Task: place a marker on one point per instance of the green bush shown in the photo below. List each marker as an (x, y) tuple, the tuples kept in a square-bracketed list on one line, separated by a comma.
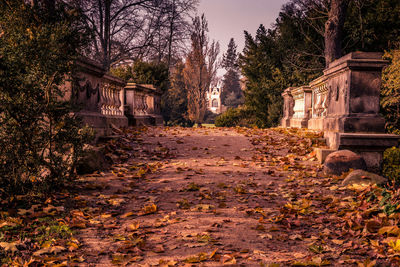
[(235, 117), (40, 138), (391, 164), (390, 93)]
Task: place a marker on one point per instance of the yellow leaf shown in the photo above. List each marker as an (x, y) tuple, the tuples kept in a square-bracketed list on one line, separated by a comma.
[(374, 243), (72, 246), (128, 214), (105, 216), (213, 253), (149, 209), (134, 226), (395, 245)]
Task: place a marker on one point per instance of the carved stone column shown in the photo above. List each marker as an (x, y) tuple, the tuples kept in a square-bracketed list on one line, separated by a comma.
[(288, 104), (302, 97)]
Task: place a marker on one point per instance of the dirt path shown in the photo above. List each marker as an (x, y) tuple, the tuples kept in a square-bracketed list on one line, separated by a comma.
[(210, 197), (205, 197)]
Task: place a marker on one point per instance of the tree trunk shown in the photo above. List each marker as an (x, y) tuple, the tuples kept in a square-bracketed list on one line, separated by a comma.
[(171, 34), (107, 39), (334, 30)]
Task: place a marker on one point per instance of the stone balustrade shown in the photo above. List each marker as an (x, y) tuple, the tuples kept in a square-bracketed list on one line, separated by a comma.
[(99, 96), (344, 104), (143, 104), (319, 101), (107, 101), (111, 96)]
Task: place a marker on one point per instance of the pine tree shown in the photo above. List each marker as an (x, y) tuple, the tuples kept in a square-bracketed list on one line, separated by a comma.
[(231, 79)]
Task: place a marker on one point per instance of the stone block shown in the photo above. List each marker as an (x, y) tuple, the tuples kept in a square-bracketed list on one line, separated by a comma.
[(363, 178), (342, 161), (323, 153)]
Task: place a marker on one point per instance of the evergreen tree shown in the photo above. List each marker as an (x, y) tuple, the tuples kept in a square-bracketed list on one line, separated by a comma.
[(40, 138), (231, 79)]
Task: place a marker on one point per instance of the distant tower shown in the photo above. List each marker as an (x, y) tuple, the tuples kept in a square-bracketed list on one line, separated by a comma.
[(214, 99)]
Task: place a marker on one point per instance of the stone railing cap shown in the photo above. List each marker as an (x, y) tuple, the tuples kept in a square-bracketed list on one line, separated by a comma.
[(287, 91), (114, 79), (359, 59), (142, 87), (88, 65), (301, 89)]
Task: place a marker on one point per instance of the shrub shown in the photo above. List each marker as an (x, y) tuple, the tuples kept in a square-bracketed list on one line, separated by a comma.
[(228, 119), (235, 117), (390, 93), (391, 164), (40, 138)]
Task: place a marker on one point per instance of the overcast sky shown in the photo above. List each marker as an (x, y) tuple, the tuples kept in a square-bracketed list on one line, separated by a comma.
[(229, 18)]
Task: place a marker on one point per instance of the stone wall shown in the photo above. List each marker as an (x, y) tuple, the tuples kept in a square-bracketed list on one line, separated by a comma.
[(344, 104)]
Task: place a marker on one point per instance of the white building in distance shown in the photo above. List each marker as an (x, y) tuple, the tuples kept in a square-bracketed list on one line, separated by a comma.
[(214, 99)]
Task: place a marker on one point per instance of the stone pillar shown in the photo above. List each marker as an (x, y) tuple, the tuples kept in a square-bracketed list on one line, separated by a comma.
[(352, 119), (318, 103), (302, 97), (288, 104)]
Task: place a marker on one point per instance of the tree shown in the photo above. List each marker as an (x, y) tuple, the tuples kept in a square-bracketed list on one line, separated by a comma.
[(175, 100), (175, 30), (262, 66), (334, 30), (200, 69), (144, 72), (230, 58), (128, 30), (120, 28), (231, 82), (40, 138)]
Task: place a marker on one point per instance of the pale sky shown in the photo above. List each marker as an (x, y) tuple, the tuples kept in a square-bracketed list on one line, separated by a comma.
[(229, 18)]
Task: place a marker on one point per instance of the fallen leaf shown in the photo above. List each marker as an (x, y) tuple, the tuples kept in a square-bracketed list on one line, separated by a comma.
[(148, 209), (128, 214), (134, 226), (9, 246)]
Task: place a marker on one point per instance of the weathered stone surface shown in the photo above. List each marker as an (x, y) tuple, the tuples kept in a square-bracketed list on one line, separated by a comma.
[(345, 105), (363, 177), (143, 104), (302, 107), (322, 153), (342, 161), (100, 96), (288, 104), (93, 159)]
